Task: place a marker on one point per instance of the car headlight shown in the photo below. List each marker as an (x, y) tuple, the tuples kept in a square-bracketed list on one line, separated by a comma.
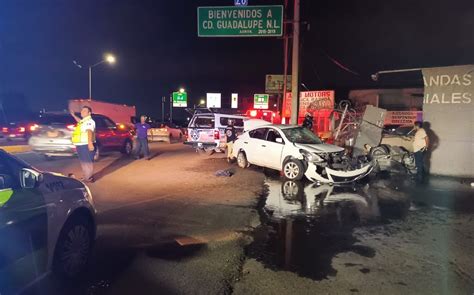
[(311, 157)]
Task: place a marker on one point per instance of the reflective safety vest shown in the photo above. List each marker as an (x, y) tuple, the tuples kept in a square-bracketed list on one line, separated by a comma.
[(79, 137)]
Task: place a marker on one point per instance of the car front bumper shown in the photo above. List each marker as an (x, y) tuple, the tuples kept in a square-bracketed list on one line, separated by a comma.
[(338, 176)]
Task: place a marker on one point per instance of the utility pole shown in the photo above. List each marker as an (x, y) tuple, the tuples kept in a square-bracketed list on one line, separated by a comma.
[(295, 64), (90, 82), (163, 99), (285, 62), (171, 109)]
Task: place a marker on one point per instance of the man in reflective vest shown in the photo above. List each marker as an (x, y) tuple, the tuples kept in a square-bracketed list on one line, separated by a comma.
[(83, 137)]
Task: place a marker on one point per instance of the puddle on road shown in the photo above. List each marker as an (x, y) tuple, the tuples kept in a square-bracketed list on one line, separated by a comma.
[(306, 225)]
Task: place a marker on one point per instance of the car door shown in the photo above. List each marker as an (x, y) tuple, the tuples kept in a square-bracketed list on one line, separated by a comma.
[(116, 137), (273, 149), (23, 230), (255, 147), (104, 135)]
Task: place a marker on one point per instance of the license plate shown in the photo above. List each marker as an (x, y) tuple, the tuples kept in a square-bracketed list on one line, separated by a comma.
[(52, 134)]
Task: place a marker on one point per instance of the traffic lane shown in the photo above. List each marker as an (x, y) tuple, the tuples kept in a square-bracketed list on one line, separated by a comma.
[(107, 164), (168, 223)]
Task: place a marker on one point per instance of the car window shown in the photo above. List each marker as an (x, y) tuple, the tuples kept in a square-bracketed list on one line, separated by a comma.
[(9, 173), (109, 123), (237, 122), (204, 122), (56, 119), (100, 122), (258, 133), (272, 135), (301, 135)]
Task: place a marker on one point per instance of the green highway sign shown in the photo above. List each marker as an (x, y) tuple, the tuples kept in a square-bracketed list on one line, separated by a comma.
[(260, 101), (240, 21), (180, 99)]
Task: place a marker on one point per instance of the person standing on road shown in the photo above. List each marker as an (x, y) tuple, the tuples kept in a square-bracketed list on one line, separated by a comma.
[(83, 137), (420, 146), (142, 138), (231, 136), (308, 121)]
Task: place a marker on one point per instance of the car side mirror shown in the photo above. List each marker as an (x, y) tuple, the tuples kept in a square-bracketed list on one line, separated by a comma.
[(279, 140), (30, 178)]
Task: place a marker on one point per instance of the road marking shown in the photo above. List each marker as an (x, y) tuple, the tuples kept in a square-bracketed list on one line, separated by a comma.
[(16, 149)]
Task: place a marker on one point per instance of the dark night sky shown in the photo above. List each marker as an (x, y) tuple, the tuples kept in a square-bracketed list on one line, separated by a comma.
[(158, 49)]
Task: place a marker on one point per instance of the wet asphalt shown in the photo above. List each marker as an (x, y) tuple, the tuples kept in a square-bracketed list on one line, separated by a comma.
[(303, 227)]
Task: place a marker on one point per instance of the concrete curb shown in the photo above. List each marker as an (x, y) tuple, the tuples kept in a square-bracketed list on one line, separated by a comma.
[(16, 149)]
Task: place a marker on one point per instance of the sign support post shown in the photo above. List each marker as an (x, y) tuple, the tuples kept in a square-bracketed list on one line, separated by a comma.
[(295, 64)]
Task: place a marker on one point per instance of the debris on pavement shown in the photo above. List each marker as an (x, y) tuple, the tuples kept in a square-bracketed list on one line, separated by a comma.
[(224, 173)]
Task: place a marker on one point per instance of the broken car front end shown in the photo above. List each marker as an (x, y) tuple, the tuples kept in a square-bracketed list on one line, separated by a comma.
[(335, 167)]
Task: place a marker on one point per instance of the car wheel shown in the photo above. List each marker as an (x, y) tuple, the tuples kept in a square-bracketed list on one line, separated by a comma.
[(97, 153), (379, 151), (408, 161), (48, 157), (206, 151), (242, 160), (73, 248), (293, 169), (127, 148)]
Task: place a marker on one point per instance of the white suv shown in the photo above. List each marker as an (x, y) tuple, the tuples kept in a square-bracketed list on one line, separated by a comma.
[(206, 130)]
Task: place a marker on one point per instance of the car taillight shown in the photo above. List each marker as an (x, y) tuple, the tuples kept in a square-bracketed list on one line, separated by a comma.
[(71, 127), (33, 127), (21, 129), (217, 134), (4, 129)]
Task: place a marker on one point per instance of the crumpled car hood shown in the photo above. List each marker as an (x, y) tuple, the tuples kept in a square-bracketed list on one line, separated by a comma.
[(320, 148)]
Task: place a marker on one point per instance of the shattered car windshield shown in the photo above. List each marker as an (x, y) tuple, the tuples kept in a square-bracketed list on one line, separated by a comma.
[(301, 135)]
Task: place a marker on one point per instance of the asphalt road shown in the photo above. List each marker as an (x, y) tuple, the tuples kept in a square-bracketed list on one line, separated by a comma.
[(170, 226), (167, 225)]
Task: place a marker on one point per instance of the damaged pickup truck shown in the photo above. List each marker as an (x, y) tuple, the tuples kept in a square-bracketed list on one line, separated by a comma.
[(297, 152)]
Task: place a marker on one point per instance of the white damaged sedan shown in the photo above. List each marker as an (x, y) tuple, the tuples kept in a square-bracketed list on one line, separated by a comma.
[(297, 152)]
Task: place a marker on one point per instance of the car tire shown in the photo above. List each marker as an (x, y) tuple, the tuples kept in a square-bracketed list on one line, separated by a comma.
[(98, 152), (242, 161), (379, 151), (206, 151), (48, 157), (127, 148), (293, 169), (73, 248)]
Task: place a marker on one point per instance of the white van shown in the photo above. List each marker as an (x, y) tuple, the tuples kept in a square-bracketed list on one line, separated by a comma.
[(206, 129)]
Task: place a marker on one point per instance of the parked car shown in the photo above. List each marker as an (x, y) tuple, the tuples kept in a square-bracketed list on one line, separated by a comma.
[(53, 136), (206, 130), (164, 132), (47, 222), (298, 152), (19, 130)]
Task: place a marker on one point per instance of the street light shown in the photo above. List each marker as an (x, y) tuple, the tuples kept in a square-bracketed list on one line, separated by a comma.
[(181, 90), (376, 75), (108, 58), (202, 102)]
